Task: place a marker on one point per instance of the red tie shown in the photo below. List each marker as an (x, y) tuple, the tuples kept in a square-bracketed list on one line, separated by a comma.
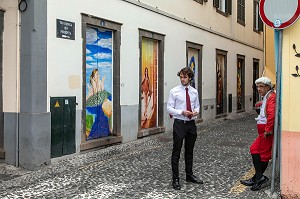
[(188, 101)]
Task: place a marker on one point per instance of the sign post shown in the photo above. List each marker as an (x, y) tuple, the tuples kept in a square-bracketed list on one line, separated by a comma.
[(278, 14)]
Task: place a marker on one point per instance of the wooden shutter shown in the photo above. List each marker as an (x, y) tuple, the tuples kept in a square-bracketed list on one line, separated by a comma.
[(228, 6), (199, 1), (239, 9), (216, 3), (254, 15), (244, 11), (260, 24), (241, 12)]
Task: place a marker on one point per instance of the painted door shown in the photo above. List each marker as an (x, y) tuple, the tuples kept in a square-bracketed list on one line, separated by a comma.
[(240, 85), (99, 89), (220, 83), (255, 77), (149, 83), (193, 64)]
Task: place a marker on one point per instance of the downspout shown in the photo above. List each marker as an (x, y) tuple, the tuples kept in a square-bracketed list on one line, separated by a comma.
[(18, 87), (264, 47)]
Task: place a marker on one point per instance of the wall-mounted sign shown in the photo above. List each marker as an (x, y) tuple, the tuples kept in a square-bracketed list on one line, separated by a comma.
[(279, 14), (65, 29)]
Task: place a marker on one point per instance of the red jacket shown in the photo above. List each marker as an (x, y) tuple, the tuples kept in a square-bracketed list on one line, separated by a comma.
[(270, 112)]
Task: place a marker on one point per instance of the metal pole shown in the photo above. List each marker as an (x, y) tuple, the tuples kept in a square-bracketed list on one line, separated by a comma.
[(278, 105)]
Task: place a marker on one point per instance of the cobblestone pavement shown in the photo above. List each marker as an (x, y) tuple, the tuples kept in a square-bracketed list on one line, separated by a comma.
[(141, 169)]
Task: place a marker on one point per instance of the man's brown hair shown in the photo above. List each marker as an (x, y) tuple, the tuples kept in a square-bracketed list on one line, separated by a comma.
[(186, 71)]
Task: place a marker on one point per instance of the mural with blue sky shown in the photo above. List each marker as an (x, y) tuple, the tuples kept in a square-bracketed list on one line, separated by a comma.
[(98, 83)]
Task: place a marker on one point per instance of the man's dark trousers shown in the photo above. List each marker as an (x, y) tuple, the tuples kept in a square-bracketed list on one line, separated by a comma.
[(186, 131)]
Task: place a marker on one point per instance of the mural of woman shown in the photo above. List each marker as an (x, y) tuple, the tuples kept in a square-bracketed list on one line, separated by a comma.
[(192, 65), (239, 92), (96, 85), (219, 90), (99, 106), (146, 90)]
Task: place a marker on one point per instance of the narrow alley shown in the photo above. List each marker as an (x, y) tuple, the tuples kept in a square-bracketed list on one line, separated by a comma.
[(141, 169)]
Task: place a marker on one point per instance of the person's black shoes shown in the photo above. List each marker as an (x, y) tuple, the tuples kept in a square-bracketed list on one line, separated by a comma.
[(256, 186), (176, 184), (194, 179), (248, 182)]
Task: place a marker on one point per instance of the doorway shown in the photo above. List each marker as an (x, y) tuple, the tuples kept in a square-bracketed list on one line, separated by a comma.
[(99, 79), (255, 77), (240, 96), (221, 82), (194, 61), (149, 83)]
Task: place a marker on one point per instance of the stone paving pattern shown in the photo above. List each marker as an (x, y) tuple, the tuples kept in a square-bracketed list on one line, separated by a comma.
[(141, 169)]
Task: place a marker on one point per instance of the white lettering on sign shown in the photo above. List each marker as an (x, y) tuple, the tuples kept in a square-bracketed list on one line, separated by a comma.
[(65, 23), (65, 32), (65, 29)]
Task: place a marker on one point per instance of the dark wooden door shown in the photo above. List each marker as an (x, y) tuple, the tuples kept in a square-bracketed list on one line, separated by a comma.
[(255, 77), (63, 110)]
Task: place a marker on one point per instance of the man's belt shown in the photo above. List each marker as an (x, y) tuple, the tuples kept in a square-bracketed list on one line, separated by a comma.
[(185, 121)]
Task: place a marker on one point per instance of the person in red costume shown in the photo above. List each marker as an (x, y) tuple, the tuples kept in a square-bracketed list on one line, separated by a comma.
[(261, 148)]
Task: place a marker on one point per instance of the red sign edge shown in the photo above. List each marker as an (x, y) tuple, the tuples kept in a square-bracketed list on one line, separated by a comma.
[(271, 24)]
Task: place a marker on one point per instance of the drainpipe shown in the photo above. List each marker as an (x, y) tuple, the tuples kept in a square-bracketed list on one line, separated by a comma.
[(17, 88), (264, 47)]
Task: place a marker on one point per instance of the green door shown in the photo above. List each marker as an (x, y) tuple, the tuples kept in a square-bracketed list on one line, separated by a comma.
[(69, 125), (63, 111)]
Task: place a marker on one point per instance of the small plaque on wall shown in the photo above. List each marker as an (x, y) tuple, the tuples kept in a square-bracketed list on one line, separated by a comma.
[(65, 29)]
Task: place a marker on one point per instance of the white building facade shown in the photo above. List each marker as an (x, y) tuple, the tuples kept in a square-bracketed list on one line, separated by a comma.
[(101, 70)]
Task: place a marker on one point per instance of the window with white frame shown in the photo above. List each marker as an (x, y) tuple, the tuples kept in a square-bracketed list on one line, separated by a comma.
[(223, 6), (257, 22)]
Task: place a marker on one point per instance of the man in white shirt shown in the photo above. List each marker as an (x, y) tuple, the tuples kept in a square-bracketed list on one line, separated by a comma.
[(183, 105)]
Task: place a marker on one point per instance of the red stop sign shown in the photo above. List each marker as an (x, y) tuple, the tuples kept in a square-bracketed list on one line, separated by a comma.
[(279, 14)]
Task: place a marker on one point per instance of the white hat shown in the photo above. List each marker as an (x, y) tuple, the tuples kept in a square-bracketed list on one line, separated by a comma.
[(264, 80)]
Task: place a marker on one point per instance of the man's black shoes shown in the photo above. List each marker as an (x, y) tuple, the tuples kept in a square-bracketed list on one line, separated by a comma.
[(176, 184), (248, 182), (256, 186), (193, 179)]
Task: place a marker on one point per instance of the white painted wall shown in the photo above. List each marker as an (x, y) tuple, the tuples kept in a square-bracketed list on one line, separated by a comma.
[(206, 16), (65, 56), (10, 56)]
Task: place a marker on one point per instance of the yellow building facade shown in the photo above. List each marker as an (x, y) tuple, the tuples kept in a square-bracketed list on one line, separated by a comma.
[(290, 175), (270, 68), (290, 109)]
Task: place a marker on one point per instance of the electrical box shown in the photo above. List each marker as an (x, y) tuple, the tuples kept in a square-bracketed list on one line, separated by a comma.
[(63, 114)]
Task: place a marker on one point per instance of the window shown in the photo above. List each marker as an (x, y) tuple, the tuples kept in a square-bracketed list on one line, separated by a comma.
[(241, 12), (257, 22), (223, 6), (199, 1)]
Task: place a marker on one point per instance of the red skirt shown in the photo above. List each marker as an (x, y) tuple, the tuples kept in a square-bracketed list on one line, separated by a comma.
[(262, 145)]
